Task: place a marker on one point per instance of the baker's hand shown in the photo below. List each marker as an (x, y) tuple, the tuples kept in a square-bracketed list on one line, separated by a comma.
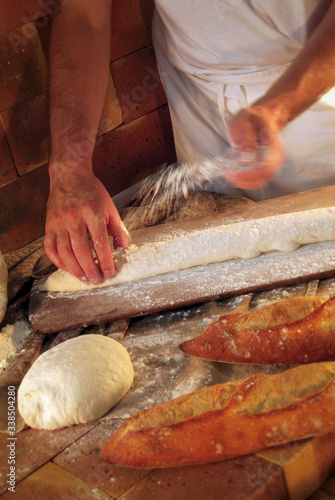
[(79, 206), (256, 139)]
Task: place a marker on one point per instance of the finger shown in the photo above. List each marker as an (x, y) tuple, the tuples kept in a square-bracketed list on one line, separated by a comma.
[(82, 252), (102, 248), (50, 247), (66, 254), (251, 178), (121, 235), (117, 228)]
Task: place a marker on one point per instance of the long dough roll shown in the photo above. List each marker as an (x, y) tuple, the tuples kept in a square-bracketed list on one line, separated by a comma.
[(202, 241), (229, 420), (291, 331)]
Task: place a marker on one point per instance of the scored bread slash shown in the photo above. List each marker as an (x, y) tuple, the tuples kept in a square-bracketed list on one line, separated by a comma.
[(229, 420), (292, 331)]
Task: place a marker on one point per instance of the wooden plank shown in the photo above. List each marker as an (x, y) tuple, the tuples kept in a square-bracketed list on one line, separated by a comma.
[(54, 311)]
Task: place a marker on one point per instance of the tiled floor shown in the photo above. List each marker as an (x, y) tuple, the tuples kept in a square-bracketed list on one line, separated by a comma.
[(66, 464)]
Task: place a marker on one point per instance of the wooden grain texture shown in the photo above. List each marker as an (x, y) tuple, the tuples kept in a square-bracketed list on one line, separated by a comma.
[(55, 311)]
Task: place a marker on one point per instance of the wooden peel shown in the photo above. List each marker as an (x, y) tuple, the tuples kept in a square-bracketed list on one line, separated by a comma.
[(198, 284)]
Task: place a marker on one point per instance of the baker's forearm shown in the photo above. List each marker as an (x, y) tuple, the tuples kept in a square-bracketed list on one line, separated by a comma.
[(308, 77), (79, 71), (78, 204)]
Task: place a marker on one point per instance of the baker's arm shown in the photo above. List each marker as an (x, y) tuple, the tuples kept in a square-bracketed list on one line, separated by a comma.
[(78, 204), (309, 76)]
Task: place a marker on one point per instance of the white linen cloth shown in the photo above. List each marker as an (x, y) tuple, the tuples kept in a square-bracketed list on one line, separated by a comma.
[(218, 56)]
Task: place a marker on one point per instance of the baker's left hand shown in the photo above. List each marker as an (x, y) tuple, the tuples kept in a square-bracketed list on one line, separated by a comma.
[(255, 136)]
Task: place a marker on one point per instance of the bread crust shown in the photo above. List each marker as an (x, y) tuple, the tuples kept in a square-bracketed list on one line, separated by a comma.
[(292, 331), (228, 420)]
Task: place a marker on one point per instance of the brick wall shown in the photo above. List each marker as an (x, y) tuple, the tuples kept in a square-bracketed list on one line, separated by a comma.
[(134, 136)]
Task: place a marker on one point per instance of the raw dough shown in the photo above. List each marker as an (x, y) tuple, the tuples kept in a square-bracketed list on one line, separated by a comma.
[(3, 287), (11, 339), (184, 249), (75, 382)]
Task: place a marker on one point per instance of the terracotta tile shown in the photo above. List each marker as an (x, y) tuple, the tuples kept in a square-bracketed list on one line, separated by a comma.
[(23, 206), (138, 84), (240, 479), (13, 14), (82, 459), (324, 455), (306, 464), (322, 495), (129, 153), (7, 169), (34, 448), (111, 114), (23, 68), (53, 483), (329, 486), (27, 129), (131, 26)]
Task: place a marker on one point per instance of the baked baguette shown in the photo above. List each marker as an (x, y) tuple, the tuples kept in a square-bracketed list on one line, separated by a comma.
[(229, 420), (291, 331)]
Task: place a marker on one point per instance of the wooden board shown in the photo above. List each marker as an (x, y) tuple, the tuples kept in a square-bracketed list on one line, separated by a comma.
[(54, 311)]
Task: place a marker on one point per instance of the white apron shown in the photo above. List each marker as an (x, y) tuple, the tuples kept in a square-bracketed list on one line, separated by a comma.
[(218, 56)]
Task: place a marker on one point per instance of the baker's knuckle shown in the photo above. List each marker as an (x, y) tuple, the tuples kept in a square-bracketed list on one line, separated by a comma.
[(50, 247), (64, 251), (91, 207), (71, 217), (100, 243), (80, 252)]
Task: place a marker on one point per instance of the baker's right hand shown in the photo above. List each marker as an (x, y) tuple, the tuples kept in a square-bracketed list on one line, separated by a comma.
[(255, 134), (79, 206)]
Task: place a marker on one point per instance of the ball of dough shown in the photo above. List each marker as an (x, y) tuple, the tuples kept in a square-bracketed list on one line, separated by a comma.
[(75, 382)]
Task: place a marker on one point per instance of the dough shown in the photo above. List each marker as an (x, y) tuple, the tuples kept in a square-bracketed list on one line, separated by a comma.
[(3, 287), (184, 249), (75, 382), (11, 339)]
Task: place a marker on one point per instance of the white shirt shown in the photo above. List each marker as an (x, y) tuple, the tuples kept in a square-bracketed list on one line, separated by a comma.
[(233, 36), (218, 56)]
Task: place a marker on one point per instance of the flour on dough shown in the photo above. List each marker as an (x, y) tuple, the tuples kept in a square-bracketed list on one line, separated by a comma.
[(3, 287), (186, 249), (75, 382)]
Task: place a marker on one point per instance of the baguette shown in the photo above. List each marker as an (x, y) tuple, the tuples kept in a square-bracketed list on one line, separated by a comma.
[(291, 331), (229, 420)]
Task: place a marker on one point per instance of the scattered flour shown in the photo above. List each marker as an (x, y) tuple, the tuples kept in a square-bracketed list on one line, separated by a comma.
[(11, 339), (186, 249)]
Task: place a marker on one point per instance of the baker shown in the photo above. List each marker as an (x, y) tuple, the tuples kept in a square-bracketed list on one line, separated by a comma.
[(256, 75)]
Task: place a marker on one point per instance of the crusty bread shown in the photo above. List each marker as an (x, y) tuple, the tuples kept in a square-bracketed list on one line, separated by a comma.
[(291, 331), (229, 420)]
